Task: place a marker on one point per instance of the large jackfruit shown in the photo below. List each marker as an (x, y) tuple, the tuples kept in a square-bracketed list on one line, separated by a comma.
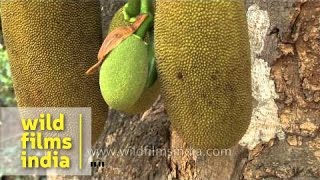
[(203, 58), (51, 44)]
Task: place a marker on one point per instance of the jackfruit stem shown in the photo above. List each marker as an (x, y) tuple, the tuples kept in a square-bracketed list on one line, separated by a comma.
[(131, 10), (145, 26), (145, 7), (148, 22), (152, 71)]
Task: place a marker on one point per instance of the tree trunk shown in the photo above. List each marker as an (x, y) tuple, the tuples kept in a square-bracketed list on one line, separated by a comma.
[(283, 140)]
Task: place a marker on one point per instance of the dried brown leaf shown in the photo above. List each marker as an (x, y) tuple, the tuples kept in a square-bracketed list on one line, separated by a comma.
[(113, 39)]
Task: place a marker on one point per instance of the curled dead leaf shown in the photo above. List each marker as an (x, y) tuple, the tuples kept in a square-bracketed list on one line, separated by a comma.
[(113, 39)]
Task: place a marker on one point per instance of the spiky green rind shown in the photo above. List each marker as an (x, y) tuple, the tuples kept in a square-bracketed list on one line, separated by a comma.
[(124, 73)]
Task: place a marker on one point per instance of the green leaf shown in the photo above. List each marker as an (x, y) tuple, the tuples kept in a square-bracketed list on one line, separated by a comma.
[(7, 97)]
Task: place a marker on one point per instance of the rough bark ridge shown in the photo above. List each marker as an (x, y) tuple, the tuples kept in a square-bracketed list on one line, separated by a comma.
[(292, 50), (293, 53)]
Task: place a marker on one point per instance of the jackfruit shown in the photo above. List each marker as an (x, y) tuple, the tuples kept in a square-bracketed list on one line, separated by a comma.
[(50, 45), (203, 60), (150, 94), (124, 73)]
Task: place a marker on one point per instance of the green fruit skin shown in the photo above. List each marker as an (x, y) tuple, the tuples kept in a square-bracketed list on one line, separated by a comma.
[(203, 60), (124, 73)]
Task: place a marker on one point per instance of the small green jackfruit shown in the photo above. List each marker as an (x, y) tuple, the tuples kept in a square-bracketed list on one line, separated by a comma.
[(203, 59), (123, 74), (150, 94), (50, 45)]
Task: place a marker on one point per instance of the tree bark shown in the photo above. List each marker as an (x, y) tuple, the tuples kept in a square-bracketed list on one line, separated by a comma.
[(283, 140)]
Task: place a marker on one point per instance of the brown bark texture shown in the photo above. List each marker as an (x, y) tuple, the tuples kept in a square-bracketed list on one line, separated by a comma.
[(292, 51)]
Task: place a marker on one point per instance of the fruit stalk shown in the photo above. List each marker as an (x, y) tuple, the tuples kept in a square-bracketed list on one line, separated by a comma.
[(133, 8), (145, 26)]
